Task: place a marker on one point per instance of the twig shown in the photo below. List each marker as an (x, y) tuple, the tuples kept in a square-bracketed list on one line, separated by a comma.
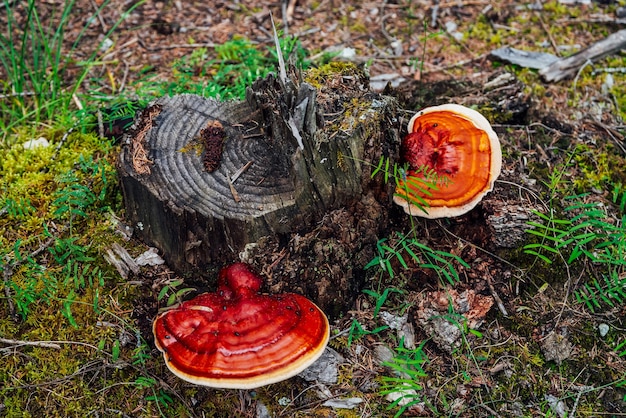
[(383, 28), (239, 172), (465, 3), (77, 102), (578, 73), (279, 54), (491, 411), (612, 132), (291, 7), (45, 344), (23, 93), (104, 26), (233, 191), (550, 37), (591, 19), (124, 77), (581, 390), (100, 123), (176, 46), (496, 297), (433, 15), (62, 142)]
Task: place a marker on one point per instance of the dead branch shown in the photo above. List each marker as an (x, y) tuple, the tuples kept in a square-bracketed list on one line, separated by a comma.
[(567, 67), (45, 344)]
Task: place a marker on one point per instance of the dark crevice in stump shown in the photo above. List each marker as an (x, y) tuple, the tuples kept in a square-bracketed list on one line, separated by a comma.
[(300, 153)]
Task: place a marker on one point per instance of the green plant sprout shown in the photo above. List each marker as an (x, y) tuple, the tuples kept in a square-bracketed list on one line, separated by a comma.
[(357, 331), (69, 264), (175, 295), (407, 365), (590, 235), (35, 69), (589, 232), (618, 195), (442, 262), (429, 180), (424, 256), (238, 64), (382, 297), (609, 291)]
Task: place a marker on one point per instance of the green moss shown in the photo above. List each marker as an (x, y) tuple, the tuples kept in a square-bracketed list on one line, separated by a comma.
[(619, 80), (495, 115), (319, 77), (599, 167), (66, 293)]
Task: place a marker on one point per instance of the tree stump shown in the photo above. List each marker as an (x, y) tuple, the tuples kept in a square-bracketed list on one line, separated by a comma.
[(203, 179)]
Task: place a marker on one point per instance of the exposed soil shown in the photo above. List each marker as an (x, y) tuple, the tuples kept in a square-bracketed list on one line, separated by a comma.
[(536, 341)]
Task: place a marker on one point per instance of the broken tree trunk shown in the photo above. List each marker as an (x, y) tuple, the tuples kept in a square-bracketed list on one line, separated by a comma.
[(291, 154)]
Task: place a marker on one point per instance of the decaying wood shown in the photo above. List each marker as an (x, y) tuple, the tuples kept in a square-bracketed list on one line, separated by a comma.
[(567, 67), (119, 258), (140, 161), (291, 154)]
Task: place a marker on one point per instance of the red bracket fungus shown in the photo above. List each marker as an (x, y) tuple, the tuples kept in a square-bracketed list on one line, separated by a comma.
[(238, 338), (461, 153)]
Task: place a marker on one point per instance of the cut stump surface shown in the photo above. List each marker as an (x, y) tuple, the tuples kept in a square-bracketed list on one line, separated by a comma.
[(289, 156)]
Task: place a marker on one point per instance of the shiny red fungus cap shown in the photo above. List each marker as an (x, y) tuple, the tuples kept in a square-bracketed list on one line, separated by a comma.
[(461, 155), (238, 338)]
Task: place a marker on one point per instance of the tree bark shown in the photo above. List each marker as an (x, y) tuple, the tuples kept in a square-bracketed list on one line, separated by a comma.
[(291, 154)]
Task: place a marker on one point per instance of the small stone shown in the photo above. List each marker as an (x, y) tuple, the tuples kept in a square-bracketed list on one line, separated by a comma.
[(347, 53), (348, 403), (394, 322), (36, 143), (396, 46), (262, 411), (325, 369), (106, 44), (402, 395), (556, 347), (603, 329), (359, 349), (407, 334), (557, 405)]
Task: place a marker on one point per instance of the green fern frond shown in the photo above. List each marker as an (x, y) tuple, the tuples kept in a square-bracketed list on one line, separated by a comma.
[(609, 291), (409, 248)]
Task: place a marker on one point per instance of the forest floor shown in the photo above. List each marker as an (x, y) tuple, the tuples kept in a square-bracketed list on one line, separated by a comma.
[(536, 324)]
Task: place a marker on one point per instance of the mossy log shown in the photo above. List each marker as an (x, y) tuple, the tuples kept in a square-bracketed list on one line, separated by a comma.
[(202, 179)]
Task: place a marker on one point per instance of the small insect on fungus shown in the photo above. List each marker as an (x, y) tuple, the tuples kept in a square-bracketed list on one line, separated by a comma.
[(213, 136)]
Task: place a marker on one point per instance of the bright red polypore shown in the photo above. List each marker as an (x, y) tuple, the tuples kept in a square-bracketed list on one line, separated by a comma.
[(240, 339), (461, 155)]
